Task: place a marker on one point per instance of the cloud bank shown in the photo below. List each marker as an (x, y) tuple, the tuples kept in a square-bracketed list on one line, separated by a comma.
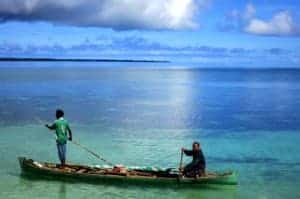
[(134, 44), (134, 47), (116, 14)]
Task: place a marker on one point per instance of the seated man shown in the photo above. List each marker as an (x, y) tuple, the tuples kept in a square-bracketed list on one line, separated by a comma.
[(197, 166)]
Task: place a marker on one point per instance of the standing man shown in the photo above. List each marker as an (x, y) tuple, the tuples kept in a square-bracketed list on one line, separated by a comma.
[(61, 128)]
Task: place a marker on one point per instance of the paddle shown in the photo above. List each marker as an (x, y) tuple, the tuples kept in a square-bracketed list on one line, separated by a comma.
[(84, 147), (181, 159)]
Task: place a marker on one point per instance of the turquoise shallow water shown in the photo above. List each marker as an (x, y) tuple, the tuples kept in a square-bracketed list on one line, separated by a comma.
[(266, 162), (246, 120)]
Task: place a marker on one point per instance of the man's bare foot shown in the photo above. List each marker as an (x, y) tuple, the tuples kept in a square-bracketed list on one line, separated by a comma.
[(60, 166)]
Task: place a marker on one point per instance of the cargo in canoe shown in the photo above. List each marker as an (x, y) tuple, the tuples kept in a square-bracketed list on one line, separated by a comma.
[(136, 175)]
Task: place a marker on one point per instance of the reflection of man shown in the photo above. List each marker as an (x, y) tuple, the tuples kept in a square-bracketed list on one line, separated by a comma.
[(62, 191)]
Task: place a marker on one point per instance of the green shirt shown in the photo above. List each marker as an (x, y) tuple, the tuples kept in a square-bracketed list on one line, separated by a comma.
[(61, 128)]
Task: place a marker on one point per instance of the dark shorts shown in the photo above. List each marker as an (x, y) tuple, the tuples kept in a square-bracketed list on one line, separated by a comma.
[(61, 150), (194, 168)]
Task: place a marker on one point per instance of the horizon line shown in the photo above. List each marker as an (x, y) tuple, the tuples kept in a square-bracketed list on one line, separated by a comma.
[(3, 59)]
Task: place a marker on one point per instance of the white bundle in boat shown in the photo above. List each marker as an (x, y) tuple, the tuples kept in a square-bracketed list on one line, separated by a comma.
[(37, 164)]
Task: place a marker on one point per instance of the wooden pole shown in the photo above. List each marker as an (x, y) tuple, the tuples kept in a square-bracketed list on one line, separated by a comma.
[(91, 152), (181, 159)]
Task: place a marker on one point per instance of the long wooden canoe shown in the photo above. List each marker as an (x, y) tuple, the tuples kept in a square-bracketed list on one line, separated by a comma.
[(132, 175)]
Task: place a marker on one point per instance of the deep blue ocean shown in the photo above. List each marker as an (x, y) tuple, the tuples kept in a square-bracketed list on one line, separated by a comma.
[(141, 114)]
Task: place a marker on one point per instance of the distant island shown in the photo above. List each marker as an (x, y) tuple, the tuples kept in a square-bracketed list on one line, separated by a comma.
[(78, 60)]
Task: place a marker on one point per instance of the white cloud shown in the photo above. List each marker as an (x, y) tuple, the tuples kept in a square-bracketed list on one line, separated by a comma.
[(281, 23), (117, 14)]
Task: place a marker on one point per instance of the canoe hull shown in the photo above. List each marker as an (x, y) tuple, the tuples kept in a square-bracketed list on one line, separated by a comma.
[(38, 172)]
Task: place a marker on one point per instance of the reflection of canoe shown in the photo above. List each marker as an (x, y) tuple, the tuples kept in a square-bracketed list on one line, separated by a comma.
[(132, 175)]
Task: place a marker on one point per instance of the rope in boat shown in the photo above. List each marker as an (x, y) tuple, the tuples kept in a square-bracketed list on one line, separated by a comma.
[(85, 148)]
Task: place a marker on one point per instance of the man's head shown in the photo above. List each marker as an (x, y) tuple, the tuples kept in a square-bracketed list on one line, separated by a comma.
[(196, 146), (59, 113)]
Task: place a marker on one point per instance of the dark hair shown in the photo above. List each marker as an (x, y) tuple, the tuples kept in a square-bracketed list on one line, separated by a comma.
[(196, 143), (59, 113)]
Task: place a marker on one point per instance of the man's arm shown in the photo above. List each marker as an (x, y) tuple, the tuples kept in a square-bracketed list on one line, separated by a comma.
[(70, 133), (187, 152), (51, 127)]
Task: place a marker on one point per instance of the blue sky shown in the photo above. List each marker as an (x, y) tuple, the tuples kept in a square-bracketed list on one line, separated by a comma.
[(263, 33)]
